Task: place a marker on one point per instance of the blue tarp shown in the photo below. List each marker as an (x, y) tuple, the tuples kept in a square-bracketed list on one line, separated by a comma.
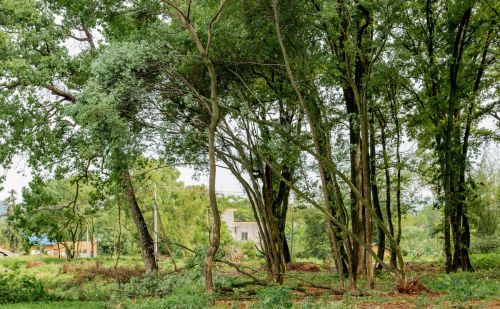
[(41, 240)]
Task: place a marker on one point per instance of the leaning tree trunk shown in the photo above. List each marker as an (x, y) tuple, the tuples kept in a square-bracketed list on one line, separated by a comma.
[(313, 126), (145, 240)]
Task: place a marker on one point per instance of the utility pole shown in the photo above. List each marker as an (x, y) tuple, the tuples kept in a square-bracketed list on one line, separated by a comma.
[(10, 208)]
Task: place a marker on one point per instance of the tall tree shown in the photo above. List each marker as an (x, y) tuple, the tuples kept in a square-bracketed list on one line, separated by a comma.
[(456, 35)]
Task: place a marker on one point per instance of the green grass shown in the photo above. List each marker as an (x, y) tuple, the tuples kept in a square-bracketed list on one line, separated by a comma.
[(56, 305)]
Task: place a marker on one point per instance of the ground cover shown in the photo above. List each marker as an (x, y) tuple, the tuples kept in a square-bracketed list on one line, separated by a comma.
[(96, 283)]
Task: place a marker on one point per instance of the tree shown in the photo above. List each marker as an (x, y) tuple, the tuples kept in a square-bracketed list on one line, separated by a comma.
[(458, 36), (46, 129), (50, 209)]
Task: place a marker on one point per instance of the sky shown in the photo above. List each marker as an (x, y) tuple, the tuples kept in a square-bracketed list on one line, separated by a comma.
[(19, 176)]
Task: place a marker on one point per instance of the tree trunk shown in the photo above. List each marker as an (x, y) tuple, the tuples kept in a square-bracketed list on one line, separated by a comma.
[(365, 163), (388, 185), (145, 240), (398, 189), (374, 189), (314, 123), (454, 206), (356, 208)]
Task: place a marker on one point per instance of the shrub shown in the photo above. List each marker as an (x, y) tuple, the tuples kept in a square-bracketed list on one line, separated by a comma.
[(161, 285), (275, 297), (183, 290), (464, 286), (15, 288), (249, 250), (485, 261), (486, 244), (149, 285)]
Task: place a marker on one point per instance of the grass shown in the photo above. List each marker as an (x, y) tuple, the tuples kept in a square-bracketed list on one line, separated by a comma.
[(54, 305), (71, 285)]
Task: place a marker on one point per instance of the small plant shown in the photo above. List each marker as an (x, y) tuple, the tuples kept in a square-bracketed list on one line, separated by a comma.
[(275, 297)]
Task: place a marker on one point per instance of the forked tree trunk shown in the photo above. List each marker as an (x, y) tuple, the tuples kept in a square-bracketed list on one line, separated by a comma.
[(455, 209)]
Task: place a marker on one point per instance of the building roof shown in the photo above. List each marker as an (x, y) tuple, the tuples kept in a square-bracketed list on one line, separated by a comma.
[(245, 222), (41, 240), (7, 252)]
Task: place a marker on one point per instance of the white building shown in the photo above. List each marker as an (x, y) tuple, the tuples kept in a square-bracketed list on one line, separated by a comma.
[(241, 231)]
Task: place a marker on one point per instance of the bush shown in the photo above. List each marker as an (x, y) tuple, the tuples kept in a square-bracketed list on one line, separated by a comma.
[(183, 290), (275, 297), (486, 244), (160, 285), (464, 286), (485, 261), (16, 288), (149, 285), (249, 250)]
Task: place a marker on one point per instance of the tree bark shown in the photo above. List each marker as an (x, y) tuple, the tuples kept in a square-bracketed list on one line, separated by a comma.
[(374, 189), (388, 185), (145, 240), (454, 207), (215, 241)]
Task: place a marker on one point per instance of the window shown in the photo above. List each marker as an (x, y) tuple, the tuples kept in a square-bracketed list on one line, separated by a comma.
[(244, 236), (84, 251)]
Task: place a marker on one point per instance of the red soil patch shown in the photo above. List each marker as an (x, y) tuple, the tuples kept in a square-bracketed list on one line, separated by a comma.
[(31, 264), (121, 273), (303, 266), (411, 287)]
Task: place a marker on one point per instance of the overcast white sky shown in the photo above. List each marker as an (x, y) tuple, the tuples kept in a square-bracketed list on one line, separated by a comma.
[(19, 176)]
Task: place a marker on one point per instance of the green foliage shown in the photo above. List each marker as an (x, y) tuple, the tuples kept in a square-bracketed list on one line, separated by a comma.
[(422, 237), (278, 296), (486, 244), (183, 290), (176, 301), (15, 288), (465, 286), (486, 261), (312, 234), (249, 250), (57, 209), (58, 304), (150, 285)]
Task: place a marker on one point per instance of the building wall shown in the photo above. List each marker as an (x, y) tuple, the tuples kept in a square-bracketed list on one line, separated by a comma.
[(84, 249), (241, 230), (250, 228)]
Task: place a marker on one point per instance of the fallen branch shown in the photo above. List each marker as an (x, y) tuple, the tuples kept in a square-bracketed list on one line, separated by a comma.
[(241, 271)]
